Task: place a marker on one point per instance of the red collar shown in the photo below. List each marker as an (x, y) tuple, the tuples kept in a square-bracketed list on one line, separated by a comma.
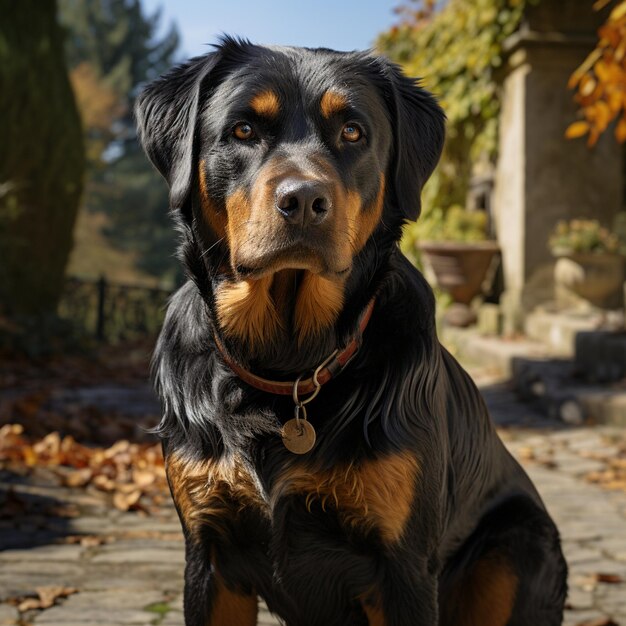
[(330, 367)]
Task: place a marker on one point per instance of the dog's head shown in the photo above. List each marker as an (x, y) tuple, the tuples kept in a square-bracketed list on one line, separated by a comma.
[(284, 164)]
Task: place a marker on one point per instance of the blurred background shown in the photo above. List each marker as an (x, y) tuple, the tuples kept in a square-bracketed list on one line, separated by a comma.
[(522, 235)]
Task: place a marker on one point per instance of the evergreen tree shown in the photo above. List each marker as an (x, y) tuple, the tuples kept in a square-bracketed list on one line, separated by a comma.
[(41, 161), (122, 48)]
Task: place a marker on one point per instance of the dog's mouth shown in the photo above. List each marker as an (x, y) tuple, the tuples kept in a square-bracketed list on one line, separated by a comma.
[(289, 257)]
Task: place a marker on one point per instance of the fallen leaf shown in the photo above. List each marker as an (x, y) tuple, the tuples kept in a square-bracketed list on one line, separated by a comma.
[(29, 604), (47, 598), (117, 448), (123, 501), (87, 541), (143, 478), (608, 578), (49, 595), (78, 478), (526, 453), (548, 463)]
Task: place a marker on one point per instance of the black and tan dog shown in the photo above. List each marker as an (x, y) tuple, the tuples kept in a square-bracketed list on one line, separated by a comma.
[(323, 450)]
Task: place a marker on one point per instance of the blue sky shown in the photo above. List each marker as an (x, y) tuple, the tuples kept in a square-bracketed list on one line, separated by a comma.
[(338, 24)]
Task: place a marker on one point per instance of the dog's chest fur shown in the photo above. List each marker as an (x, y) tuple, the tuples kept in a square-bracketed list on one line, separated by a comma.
[(216, 493)]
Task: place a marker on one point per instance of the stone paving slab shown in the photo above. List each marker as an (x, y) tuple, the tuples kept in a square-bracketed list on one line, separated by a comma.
[(8, 615)]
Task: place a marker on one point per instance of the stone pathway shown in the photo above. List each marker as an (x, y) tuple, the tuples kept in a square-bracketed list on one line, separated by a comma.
[(127, 568)]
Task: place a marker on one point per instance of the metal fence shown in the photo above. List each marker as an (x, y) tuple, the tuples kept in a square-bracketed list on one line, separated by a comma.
[(113, 312)]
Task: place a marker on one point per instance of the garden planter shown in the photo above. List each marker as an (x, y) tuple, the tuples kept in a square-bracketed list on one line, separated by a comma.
[(460, 270), (591, 277)]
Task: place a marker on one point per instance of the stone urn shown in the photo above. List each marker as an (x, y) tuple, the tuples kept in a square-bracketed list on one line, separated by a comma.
[(593, 278), (461, 270)]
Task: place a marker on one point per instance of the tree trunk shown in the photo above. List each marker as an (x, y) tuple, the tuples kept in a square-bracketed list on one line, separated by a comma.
[(41, 158)]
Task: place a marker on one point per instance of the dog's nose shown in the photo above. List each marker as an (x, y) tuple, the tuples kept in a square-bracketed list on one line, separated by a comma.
[(303, 201)]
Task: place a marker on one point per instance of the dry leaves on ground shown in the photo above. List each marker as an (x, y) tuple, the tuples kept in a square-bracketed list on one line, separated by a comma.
[(132, 473), (613, 579), (613, 476), (46, 597)]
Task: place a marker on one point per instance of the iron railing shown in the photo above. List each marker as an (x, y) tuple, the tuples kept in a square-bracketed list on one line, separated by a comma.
[(113, 312)]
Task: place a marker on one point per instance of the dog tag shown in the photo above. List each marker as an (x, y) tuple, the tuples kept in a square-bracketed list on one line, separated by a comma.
[(298, 436)]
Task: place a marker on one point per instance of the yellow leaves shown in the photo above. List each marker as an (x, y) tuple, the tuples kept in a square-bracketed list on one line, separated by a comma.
[(620, 130), (587, 85), (585, 67), (615, 100), (601, 80), (618, 12), (602, 115), (99, 106), (577, 129), (608, 70)]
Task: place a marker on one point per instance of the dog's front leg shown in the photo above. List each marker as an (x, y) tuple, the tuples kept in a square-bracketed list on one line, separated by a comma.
[(208, 600), (225, 531), (405, 595)]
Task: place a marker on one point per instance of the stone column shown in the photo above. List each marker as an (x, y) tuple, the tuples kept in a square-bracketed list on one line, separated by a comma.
[(542, 177)]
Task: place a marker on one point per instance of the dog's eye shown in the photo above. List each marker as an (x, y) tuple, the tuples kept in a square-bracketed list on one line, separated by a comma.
[(243, 131), (351, 132)]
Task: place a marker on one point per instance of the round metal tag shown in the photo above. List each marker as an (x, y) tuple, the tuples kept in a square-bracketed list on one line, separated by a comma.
[(298, 436)]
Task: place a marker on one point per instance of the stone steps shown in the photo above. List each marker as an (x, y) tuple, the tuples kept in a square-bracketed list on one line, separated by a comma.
[(586, 386)]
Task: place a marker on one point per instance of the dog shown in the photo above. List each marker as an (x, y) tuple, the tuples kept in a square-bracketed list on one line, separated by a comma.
[(323, 450)]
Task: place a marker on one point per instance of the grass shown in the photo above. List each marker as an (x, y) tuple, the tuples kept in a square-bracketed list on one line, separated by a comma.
[(160, 608)]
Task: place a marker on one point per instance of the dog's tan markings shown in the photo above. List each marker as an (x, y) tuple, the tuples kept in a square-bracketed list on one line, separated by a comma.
[(245, 309), (283, 290), (238, 212), (266, 104), (332, 102), (375, 494), (364, 220), (319, 302), (210, 493), (214, 218), (231, 608), (372, 607), (370, 216), (486, 596)]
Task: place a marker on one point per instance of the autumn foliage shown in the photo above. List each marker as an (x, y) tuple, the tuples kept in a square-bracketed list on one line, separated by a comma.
[(132, 473), (100, 107), (600, 81)]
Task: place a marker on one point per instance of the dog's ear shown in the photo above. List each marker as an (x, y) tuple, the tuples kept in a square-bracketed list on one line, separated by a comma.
[(166, 114), (419, 132)]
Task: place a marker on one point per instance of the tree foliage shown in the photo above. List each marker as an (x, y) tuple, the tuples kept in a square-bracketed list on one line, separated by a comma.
[(455, 47), (41, 161), (456, 50), (113, 48), (100, 107), (600, 81)]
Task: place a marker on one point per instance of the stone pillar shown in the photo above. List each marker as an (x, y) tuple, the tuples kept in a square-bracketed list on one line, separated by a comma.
[(541, 176)]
